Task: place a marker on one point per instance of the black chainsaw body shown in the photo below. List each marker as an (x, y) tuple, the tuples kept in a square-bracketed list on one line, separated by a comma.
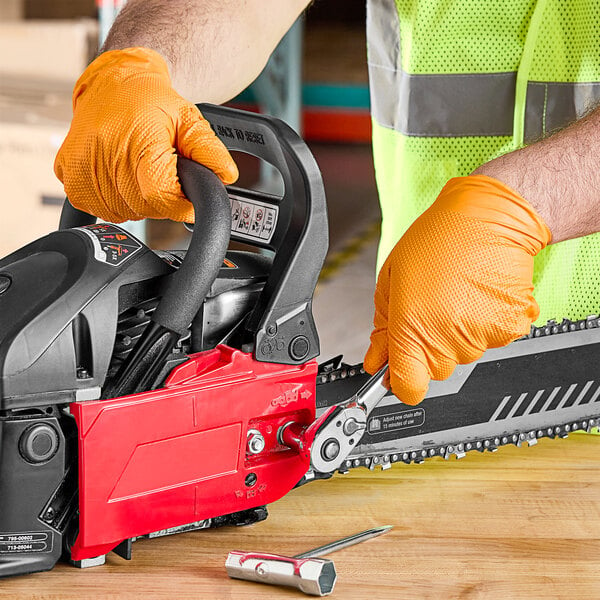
[(75, 305), (74, 321)]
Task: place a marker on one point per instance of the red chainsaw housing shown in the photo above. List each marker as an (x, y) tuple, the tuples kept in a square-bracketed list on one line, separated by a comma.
[(176, 455)]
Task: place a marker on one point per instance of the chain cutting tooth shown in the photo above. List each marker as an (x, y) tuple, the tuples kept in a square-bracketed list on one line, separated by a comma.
[(490, 446), (373, 462)]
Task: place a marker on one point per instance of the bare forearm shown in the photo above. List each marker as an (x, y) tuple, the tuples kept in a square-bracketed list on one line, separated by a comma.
[(559, 176), (214, 48)]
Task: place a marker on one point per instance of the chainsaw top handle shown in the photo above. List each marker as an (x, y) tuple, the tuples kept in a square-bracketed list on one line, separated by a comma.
[(186, 288), (294, 226), (189, 285)]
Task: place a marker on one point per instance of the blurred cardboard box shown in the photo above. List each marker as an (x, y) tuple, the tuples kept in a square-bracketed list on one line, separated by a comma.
[(47, 9), (11, 10), (31, 195), (39, 64), (58, 9), (34, 119), (53, 50)]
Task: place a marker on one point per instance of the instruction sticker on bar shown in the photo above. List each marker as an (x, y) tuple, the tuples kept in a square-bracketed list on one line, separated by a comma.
[(393, 421), (253, 220)]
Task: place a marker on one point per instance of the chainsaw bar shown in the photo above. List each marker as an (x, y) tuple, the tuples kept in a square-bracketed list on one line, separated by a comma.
[(546, 384)]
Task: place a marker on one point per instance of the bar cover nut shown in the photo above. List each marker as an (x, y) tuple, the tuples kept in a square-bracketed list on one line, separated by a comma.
[(313, 576)]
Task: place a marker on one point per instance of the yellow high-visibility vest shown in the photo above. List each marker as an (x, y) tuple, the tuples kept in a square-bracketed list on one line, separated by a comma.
[(455, 83)]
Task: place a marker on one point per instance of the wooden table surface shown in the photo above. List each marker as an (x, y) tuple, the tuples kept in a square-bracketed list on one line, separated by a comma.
[(520, 523)]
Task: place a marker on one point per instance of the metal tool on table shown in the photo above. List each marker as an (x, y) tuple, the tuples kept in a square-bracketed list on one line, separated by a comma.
[(342, 427), (307, 571)]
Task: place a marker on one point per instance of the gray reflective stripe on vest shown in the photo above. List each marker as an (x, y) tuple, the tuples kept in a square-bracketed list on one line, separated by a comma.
[(471, 105), (551, 106), (457, 105)]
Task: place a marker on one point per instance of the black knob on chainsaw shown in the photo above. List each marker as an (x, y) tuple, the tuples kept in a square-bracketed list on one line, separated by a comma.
[(39, 443), (299, 348)]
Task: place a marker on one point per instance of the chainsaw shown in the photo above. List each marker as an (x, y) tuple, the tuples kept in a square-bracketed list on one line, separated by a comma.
[(145, 393)]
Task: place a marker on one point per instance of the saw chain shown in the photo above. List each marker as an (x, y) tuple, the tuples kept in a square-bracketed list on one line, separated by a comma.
[(544, 385)]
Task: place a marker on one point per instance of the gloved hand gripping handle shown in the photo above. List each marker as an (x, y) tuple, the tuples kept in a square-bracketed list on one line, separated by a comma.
[(187, 287), (281, 326)]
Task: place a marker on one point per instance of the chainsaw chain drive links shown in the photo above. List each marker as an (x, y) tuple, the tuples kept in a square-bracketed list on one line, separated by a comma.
[(335, 371)]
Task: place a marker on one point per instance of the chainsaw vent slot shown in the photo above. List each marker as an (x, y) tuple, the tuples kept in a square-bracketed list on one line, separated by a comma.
[(82, 341), (26, 413), (130, 326)]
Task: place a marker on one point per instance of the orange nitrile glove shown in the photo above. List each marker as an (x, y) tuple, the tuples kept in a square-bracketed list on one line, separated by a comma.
[(457, 283), (118, 160)]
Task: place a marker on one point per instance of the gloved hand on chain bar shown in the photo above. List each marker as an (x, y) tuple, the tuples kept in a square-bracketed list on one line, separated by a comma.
[(118, 161), (457, 283)]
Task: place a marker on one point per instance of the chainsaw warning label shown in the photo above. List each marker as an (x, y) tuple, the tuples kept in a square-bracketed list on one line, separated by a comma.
[(11, 543), (394, 420), (112, 245), (253, 220)]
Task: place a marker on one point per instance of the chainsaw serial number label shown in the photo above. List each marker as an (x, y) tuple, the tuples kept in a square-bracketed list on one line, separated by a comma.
[(11, 543), (393, 421)]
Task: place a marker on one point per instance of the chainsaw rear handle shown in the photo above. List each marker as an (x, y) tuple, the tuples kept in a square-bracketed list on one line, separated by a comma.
[(281, 324)]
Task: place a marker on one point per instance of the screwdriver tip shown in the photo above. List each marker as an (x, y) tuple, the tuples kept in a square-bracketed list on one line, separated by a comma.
[(383, 528)]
